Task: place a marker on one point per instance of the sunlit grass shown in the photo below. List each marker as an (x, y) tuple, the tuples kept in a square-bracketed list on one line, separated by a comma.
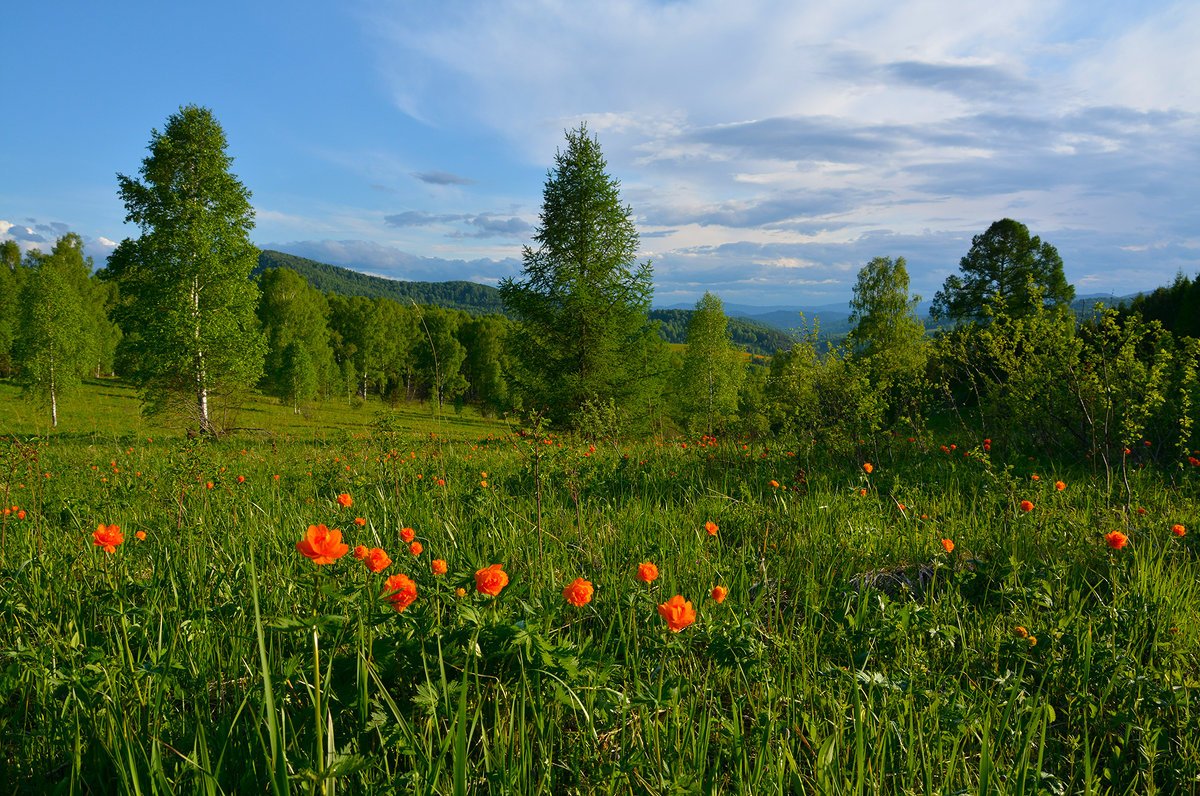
[(212, 656)]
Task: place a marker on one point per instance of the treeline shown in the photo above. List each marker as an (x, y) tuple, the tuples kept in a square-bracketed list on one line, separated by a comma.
[(456, 295), (745, 335), (1175, 306)]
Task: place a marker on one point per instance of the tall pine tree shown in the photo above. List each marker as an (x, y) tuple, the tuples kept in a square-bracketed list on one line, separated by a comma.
[(582, 334)]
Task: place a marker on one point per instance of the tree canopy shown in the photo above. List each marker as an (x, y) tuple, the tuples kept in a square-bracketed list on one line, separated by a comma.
[(581, 303), (1006, 271), (188, 304)]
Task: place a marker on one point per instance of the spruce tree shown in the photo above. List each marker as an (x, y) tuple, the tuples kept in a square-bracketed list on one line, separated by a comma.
[(582, 335)]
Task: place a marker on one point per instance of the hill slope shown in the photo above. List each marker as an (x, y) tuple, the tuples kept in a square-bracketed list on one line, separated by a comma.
[(749, 335), (468, 296)]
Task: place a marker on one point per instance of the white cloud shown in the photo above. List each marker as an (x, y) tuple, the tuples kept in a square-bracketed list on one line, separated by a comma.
[(851, 126)]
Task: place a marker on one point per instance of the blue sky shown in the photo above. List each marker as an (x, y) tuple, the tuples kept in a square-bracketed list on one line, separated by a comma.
[(767, 149)]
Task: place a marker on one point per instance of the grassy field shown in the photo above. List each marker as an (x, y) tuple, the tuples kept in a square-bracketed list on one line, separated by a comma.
[(854, 652)]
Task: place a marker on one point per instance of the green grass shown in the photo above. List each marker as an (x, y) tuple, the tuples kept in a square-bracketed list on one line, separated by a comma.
[(212, 657)]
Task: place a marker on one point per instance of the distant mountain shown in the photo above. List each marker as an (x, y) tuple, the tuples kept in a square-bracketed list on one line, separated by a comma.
[(467, 296)]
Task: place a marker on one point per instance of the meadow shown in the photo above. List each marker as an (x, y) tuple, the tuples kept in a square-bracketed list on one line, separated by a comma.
[(931, 615)]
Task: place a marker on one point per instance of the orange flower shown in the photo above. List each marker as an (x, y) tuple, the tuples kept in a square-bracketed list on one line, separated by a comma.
[(361, 552), (579, 592), (868, 468), (438, 566), (1116, 540), (141, 535), (359, 521), (415, 548), (108, 537), (862, 491), (1178, 530), (21, 514), (1141, 511), (400, 591), (460, 591), (322, 545), (241, 479), (948, 544), (711, 527), (441, 482), (407, 534), (377, 560), (774, 483), (1026, 505), (490, 580), (647, 572), (719, 593), (1035, 477), (1059, 485), (345, 501), (208, 484), (677, 612)]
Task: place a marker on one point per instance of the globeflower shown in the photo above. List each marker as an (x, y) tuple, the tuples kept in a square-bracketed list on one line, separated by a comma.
[(1178, 530), (415, 548), (647, 572), (1116, 540), (868, 468), (1059, 485), (711, 527), (359, 521), (1026, 505), (377, 560), (360, 552), (677, 612), (345, 501), (948, 545), (579, 592), (719, 593), (322, 545), (438, 566), (400, 591), (490, 580), (407, 534), (108, 537)]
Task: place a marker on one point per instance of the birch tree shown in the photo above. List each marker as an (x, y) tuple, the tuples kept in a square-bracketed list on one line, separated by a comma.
[(188, 302)]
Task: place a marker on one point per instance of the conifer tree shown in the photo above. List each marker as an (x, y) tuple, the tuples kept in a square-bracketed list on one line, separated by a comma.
[(582, 334)]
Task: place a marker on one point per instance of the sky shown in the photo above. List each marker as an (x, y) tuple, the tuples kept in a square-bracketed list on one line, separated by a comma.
[(767, 149)]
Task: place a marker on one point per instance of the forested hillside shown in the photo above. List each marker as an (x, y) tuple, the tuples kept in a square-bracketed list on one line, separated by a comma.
[(468, 296), (476, 299), (751, 336)]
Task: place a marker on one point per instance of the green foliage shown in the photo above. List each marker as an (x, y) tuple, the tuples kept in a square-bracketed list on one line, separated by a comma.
[(852, 653), (467, 296), (1175, 306), (1043, 383), (744, 334), (484, 338), (291, 312), (187, 301), (581, 304), (1006, 272), (439, 355), (55, 344), (888, 339), (713, 372), (12, 278)]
